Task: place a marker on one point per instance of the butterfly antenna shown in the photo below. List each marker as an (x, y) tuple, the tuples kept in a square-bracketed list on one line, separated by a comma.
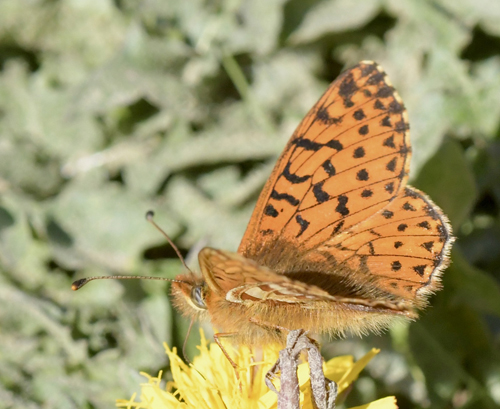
[(80, 283), (149, 217)]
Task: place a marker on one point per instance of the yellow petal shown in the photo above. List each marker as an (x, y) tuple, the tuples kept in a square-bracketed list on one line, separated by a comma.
[(210, 382), (385, 403), (345, 371)]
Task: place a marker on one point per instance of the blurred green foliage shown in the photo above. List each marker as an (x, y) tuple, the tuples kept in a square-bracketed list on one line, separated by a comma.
[(110, 108)]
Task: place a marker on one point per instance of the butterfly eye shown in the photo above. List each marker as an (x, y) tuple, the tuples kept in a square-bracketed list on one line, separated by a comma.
[(197, 297)]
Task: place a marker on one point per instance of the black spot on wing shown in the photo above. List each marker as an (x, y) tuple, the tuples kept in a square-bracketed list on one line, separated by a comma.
[(323, 116), (420, 270), (367, 193), (396, 107), (334, 144), (387, 214), (389, 142), (367, 69), (320, 195), (386, 122), (363, 130), (409, 207), (348, 87), (411, 193), (292, 177), (284, 196), (396, 266), (402, 227), (428, 246), (338, 227), (362, 175), (359, 152), (391, 165), (425, 225), (376, 78), (429, 211), (403, 150), (359, 115), (341, 207), (270, 211), (378, 105), (307, 144), (385, 92), (328, 168), (304, 224), (401, 126)]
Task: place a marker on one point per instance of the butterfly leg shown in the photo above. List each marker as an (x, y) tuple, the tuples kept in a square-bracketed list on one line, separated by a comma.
[(224, 351), (269, 324)]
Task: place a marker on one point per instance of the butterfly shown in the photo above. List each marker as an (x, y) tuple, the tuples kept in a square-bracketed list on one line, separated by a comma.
[(338, 242)]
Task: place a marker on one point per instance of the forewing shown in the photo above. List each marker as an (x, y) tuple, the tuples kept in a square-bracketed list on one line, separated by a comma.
[(347, 159), (336, 210), (224, 271), (241, 280)]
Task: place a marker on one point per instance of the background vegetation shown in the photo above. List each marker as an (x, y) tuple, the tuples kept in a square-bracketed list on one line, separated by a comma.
[(110, 108)]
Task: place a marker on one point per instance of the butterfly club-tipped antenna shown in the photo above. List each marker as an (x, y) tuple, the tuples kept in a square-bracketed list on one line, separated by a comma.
[(149, 217)]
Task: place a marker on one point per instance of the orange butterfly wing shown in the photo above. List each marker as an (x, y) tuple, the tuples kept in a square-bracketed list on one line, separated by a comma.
[(325, 208), (348, 158), (244, 298), (239, 280)]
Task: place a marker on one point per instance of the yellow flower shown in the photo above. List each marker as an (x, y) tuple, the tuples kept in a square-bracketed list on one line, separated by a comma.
[(210, 382)]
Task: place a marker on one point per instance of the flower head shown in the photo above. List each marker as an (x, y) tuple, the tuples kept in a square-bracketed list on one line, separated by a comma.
[(210, 382)]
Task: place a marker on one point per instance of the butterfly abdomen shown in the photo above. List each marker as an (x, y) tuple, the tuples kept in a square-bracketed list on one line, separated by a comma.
[(259, 322)]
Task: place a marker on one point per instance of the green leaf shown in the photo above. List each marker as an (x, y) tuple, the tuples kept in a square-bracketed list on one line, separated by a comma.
[(333, 17), (449, 181), (472, 287)]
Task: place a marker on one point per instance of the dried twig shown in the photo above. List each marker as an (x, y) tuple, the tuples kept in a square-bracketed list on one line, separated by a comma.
[(324, 391)]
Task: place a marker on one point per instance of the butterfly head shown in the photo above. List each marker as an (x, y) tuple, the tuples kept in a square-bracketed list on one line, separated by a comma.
[(189, 294)]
